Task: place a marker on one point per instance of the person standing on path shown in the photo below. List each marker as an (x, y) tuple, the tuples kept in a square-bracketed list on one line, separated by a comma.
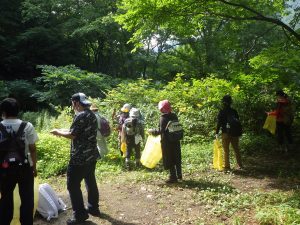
[(171, 149), (284, 118), (83, 158), (17, 166), (227, 122)]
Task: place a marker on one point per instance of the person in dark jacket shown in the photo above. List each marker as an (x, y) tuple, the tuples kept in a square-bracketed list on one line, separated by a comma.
[(227, 139), (171, 151)]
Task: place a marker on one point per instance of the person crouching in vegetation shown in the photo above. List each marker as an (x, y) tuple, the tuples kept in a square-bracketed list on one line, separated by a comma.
[(171, 149), (17, 163), (284, 118), (133, 135), (228, 122)]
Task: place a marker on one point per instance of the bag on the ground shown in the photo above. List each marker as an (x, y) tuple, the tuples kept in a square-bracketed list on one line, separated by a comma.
[(12, 147), (104, 127), (175, 131), (234, 126), (49, 203), (218, 159), (152, 152), (270, 123)]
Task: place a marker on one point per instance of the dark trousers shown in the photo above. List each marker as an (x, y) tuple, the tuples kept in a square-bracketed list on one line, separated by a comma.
[(130, 144), (23, 176), (284, 132), (75, 174), (175, 163), (175, 172)]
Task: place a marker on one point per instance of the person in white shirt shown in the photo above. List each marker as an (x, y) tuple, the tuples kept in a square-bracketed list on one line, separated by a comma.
[(17, 163)]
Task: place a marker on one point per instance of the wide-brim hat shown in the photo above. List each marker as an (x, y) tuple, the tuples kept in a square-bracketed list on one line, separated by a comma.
[(126, 108)]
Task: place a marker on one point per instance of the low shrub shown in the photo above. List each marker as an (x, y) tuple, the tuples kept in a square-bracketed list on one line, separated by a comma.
[(53, 155)]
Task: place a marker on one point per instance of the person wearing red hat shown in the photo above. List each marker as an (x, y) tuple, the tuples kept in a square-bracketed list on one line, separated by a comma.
[(171, 150)]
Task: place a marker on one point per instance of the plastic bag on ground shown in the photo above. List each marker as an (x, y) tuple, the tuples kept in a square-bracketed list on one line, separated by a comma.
[(49, 203), (17, 203), (270, 123), (218, 158), (152, 152)]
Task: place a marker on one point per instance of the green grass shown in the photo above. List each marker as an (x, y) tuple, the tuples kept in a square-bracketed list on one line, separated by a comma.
[(210, 188)]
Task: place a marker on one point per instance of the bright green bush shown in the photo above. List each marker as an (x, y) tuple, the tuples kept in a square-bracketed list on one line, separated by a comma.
[(195, 101), (45, 121), (53, 155)]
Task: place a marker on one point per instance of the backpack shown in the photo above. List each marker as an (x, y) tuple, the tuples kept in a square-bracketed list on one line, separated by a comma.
[(175, 131), (233, 125), (12, 147), (130, 125), (104, 127), (49, 204)]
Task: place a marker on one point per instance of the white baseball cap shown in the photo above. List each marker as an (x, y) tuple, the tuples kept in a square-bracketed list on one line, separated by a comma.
[(81, 97)]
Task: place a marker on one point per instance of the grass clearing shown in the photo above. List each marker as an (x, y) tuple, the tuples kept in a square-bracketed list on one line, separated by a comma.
[(267, 192)]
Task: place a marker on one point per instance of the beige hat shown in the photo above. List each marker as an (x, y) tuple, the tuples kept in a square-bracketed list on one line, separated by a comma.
[(94, 107)]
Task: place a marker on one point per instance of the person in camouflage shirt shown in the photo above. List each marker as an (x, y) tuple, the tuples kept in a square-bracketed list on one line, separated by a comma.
[(83, 158)]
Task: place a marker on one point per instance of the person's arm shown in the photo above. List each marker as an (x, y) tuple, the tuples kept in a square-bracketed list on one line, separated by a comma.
[(32, 150), (219, 122), (62, 133)]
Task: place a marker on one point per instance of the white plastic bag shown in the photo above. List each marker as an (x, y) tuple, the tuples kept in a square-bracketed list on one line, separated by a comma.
[(49, 203)]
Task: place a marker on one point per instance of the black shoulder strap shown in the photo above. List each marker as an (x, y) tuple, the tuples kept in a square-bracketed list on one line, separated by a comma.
[(21, 128), (3, 130)]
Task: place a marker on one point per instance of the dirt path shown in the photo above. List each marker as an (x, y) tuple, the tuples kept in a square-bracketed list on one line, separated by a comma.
[(129, 199), (125, 203)]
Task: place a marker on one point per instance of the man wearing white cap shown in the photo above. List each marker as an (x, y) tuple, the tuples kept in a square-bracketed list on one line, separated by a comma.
[(83, 157)]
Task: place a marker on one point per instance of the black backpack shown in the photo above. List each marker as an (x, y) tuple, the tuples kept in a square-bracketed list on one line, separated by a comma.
[(12, 147), (233, 125)]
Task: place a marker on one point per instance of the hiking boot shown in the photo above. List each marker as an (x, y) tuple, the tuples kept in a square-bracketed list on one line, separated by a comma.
[(127, 164), (171, 181), (93, 212), (138, 163), (80, 220)]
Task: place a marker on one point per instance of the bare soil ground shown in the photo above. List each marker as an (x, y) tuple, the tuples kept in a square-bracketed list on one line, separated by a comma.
[(131, 203)]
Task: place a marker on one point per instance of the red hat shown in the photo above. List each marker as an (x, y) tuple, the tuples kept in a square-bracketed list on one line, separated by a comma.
[(164, 106)]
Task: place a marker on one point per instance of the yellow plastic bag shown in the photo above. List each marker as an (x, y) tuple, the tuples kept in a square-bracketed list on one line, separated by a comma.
[(152, 152), (17, 202), (218, 158), (270, 124), (123, 148)]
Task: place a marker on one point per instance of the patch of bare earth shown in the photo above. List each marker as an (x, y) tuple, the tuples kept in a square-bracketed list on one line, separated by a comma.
[(127, 203)]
